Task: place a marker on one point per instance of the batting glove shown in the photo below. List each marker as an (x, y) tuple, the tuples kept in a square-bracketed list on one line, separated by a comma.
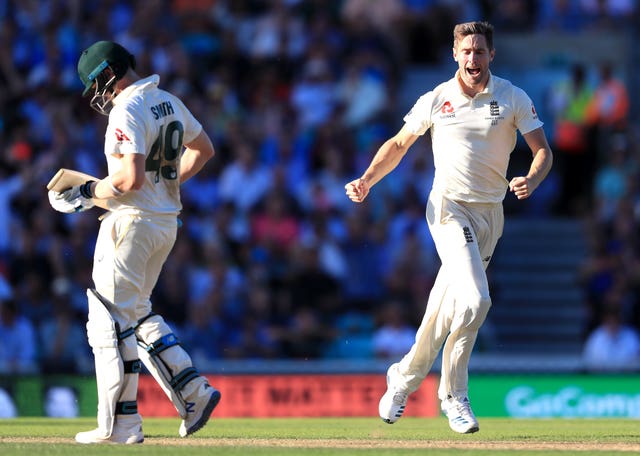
[(75, 199)]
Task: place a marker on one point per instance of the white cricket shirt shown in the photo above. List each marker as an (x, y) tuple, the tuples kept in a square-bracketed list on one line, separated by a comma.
[(472, 138), (150, 121)]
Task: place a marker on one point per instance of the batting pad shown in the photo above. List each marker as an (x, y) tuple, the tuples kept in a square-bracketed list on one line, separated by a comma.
[(116, 379), (103, 339), (166, 360)]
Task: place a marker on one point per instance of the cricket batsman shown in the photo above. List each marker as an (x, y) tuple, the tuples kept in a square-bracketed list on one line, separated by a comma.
[(152, 145)]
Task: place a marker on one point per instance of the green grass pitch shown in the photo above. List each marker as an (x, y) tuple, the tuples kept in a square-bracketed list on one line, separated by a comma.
[(329, 436)]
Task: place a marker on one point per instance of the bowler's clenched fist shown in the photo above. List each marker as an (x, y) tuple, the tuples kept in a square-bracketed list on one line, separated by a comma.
[(520, 186), (357, 190)]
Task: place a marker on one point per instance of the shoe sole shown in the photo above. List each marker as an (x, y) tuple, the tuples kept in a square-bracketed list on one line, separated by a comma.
[(471, 430), (206, 413), (110, 442)]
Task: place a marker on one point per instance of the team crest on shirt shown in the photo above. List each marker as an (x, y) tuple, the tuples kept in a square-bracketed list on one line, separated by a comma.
[(494, 113)]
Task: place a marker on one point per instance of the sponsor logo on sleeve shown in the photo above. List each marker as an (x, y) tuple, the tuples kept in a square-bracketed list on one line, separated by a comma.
[(120, 136)]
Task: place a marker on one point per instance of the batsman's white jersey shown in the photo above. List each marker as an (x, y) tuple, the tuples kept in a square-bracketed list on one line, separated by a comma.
[(149, 120), (144, 120), (472, 141), (473, 138)]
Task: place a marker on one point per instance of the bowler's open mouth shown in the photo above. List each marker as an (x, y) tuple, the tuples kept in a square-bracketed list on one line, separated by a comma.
[(473, 71)]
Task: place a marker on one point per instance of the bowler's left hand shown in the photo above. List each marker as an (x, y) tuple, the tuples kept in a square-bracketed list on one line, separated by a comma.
[(520, 186)]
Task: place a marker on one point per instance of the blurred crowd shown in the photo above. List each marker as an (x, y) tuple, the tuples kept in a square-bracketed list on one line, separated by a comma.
[(272, 260), (597, 151)]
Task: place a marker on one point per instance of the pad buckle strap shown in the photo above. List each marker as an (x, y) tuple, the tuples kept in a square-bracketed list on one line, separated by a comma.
[(179, 381), (145, 318), (126, 333), (132, 367), (160, 345), (127, 408)]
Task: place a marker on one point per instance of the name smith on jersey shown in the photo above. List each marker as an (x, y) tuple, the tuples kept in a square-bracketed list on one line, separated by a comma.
[(162, 110)]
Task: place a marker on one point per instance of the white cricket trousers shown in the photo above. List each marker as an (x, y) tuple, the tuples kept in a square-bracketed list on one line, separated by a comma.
[(465, 236), (129, 254)]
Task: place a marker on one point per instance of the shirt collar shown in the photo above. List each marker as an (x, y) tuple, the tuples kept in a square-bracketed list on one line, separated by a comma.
[(141, 84)]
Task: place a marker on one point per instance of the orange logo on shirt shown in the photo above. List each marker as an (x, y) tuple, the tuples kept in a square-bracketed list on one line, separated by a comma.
[(447, 108), (120, 136)]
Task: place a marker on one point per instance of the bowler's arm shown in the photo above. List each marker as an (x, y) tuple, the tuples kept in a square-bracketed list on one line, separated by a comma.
[(385, 160), (524, 186)]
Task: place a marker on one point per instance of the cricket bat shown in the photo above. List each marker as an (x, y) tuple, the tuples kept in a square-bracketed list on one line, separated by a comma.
[(67, 178)]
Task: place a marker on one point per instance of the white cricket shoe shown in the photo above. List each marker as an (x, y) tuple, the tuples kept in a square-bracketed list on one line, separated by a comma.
[(123, 432), (392, 403), (461, 417), (199, 409)]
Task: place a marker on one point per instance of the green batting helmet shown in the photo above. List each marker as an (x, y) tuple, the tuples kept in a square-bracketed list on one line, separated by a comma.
[(97, 57)]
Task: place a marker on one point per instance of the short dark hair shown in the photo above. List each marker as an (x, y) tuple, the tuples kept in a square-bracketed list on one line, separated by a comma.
[(460, 31)]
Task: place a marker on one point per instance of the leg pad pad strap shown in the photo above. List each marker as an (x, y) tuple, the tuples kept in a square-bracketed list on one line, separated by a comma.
[(184, 377), (160, 345), (132, 367), (127, 408)]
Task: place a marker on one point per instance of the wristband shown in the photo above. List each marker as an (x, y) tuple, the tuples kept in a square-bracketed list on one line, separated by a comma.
[(85, 189)]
